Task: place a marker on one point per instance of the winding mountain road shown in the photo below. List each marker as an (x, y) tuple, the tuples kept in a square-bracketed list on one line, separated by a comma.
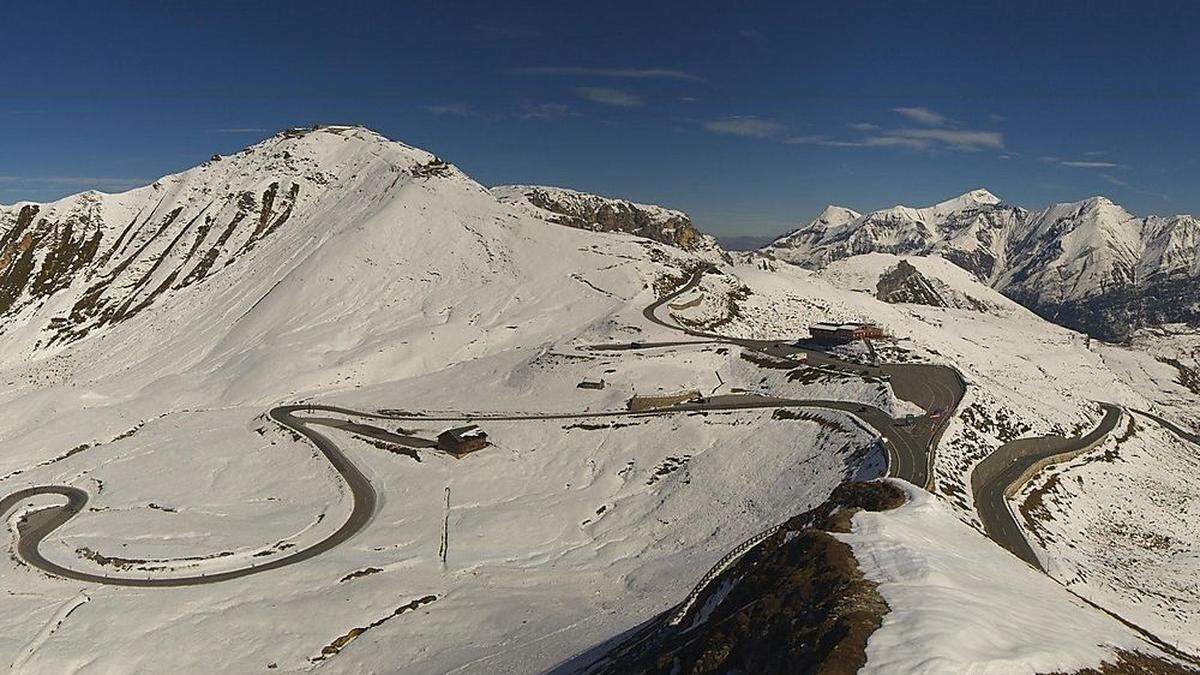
[(1179, 431), (1004, 471), (928, 386), (39, 524), (910, 449)]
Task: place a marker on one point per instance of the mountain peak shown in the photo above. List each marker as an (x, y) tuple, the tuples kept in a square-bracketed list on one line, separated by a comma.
[(833, 214), (973, 199)]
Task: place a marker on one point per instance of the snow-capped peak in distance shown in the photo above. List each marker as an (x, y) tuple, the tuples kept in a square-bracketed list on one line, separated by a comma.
[(976, 221), (967, 200), (1088, 264), (831, 217), (834, 215)]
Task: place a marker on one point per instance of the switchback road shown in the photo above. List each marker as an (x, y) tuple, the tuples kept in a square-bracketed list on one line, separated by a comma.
[(906, 450), (41, 523), (1172, 427), (930, 387), (1003, 472), (909, 447)]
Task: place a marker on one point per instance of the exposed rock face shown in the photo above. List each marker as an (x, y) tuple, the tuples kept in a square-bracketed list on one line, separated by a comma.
[(93, 259), (40, 254), (904, 284), (1088, 265), (604, 214), (1095, 267)]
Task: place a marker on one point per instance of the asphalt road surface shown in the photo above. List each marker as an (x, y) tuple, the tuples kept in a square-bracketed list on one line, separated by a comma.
[(905, 450), (929, 387), (910, 447), (1172, 427), (1003, 468), (41, 523)]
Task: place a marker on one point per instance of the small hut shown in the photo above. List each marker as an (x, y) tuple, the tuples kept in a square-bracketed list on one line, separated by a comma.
[(462, 440)]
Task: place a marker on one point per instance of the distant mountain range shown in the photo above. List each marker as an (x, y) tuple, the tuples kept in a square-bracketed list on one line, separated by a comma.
[(1090, 265)]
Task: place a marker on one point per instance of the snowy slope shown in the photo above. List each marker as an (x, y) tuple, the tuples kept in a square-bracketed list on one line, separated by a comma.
[(1042, 383), (146, 334), (970, 606), (1119, 526), (393, 282)]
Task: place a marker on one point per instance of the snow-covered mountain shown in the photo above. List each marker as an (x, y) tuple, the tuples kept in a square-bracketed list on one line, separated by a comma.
[(333, 237), (606, 214), (972, 230), (146, 333), (89, 262), (1090, 265)]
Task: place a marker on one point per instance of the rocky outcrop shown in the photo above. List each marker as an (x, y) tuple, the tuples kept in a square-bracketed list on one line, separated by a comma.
[(605, 214), (94, 259), (795, 603), (904, 284)]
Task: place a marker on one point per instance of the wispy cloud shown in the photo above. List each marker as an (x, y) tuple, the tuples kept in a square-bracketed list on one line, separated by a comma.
[(812, 139), (912, 139), (1119, 182), (619, 73), (869, 142), (544, 111), (1080, 163), (864, 126), (453, 109), (894, 142), (606, 96), (922, 116), (463, 110), (1088, 164), (525, 111), (955, 139), (748, 126)]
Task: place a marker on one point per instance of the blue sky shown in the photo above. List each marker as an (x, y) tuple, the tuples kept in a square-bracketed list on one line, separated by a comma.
[(749, 115)]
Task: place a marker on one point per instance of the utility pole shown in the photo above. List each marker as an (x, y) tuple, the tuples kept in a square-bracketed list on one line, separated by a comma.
[(445, 530)]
